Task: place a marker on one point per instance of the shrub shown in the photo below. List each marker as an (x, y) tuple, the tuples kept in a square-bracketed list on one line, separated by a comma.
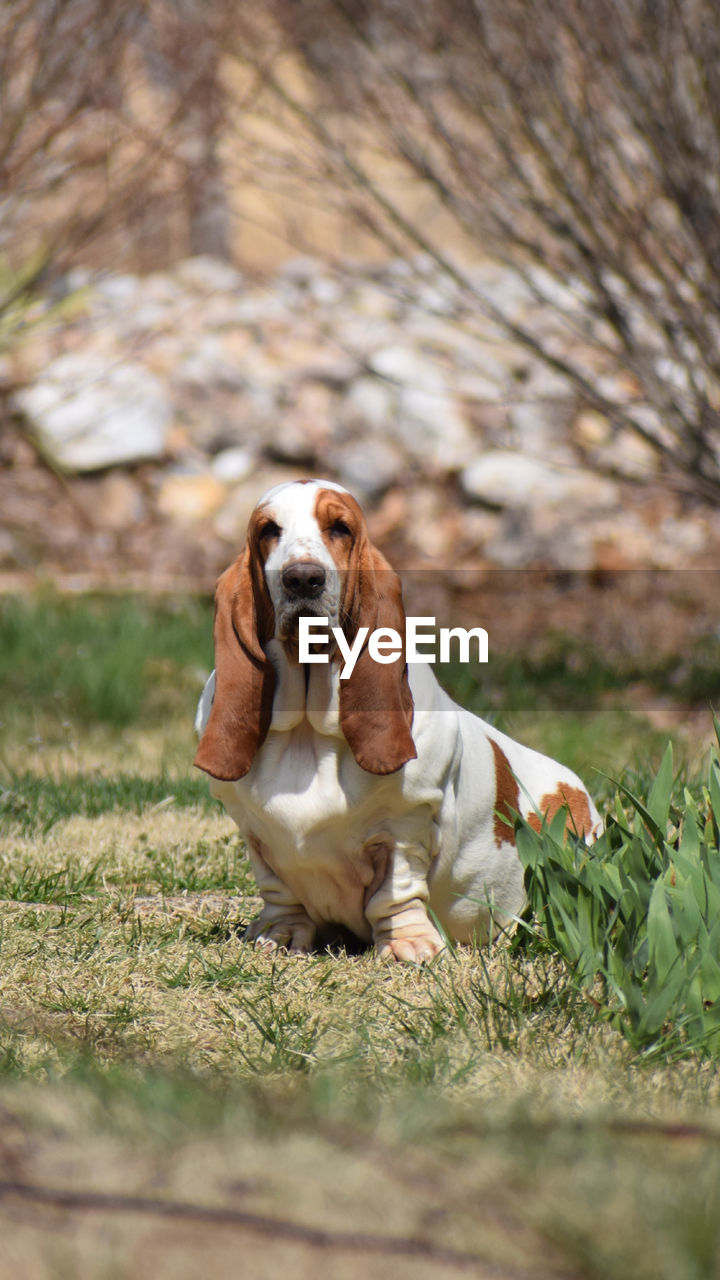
[(637, 915)]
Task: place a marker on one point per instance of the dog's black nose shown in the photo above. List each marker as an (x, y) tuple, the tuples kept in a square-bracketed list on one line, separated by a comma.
[(304, 578)]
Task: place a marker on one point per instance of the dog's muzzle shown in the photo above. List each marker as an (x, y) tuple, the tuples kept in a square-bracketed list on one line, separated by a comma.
[(304, 580), (306, 591)]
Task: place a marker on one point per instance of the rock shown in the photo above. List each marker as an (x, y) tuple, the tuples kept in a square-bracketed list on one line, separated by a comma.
[(187, 498), (545, 383), (208, 365), (300, 271), (430, 423), (592, 429), (302, 425), (325, 291), (373, 302), (540, 430), (543, 537), (432, 427), (368, 468), (370, 403), (255, 309), (11, 553), (622, 452), (431, 528), (364, 335), (437, 299), (404, 366), (385, 379), (117, 292), (118, 503), (312, 411), (88, 412), (479, 527), (505, 478), (680, 539), (158, 286), (204, 273), (336, 369), (232, 465)]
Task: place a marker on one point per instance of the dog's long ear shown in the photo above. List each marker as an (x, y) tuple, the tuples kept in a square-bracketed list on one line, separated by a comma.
[(376, 706), (244, 678)]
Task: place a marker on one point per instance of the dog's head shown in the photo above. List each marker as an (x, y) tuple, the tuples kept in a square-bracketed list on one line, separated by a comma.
[(307, 554)]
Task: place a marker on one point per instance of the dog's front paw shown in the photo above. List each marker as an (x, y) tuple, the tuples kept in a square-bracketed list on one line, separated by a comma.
[(413, 944), (292, 933)]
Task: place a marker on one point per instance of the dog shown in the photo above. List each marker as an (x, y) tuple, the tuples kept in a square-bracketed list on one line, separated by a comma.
[(372, 802)]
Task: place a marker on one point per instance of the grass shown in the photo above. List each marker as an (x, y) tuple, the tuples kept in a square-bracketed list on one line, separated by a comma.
[(173, 1101)]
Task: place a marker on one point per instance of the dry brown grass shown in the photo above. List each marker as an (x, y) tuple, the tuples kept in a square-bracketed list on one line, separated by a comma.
[(175, 1102)]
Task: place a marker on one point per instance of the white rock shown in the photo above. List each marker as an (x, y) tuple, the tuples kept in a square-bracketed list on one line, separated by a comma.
[(301, 271), (681, 539), (88, 412), (363, 335), (207, 365), (259, 308), (505, 478), (437, 299), (405, 366), (326, 292), (542, 382), (118, 292), (368, 467), (541, 430), (233, 465), (528, 537), (370, 402), (204, 273), (149, 315), (160, 287), (431, 426), (430, 423)]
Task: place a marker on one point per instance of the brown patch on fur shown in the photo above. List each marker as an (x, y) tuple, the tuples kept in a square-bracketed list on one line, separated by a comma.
[(330, 508), (507, 797), (577, 804), (244, 677), (376, 706)]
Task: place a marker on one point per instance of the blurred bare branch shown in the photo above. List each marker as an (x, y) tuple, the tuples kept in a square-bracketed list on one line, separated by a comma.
[(580, 147)]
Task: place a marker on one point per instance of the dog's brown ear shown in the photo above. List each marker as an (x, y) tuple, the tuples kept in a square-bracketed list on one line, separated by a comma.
[(244, 677), (376, 705)]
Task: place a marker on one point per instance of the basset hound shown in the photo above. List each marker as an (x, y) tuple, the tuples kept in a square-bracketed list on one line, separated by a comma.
[(372, 802)]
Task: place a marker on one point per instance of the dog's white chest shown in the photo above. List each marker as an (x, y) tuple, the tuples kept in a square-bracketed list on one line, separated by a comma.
[(316, 819), (298, 783)]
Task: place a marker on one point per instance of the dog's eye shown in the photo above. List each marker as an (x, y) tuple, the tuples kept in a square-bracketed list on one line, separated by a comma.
[(270, 530), (339, 529)]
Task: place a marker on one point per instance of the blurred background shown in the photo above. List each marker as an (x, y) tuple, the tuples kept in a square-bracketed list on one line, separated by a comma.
[(463, 260), (462, 256)]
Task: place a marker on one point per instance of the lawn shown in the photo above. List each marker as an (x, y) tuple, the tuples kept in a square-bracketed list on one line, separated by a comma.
[(175, 1103)]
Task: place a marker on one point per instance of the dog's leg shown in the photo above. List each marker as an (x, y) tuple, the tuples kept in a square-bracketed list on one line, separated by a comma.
[(283, 921), (289, 927), (397, 911)]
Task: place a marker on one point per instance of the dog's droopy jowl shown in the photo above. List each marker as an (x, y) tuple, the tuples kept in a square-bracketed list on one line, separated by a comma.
[(372, 801)]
